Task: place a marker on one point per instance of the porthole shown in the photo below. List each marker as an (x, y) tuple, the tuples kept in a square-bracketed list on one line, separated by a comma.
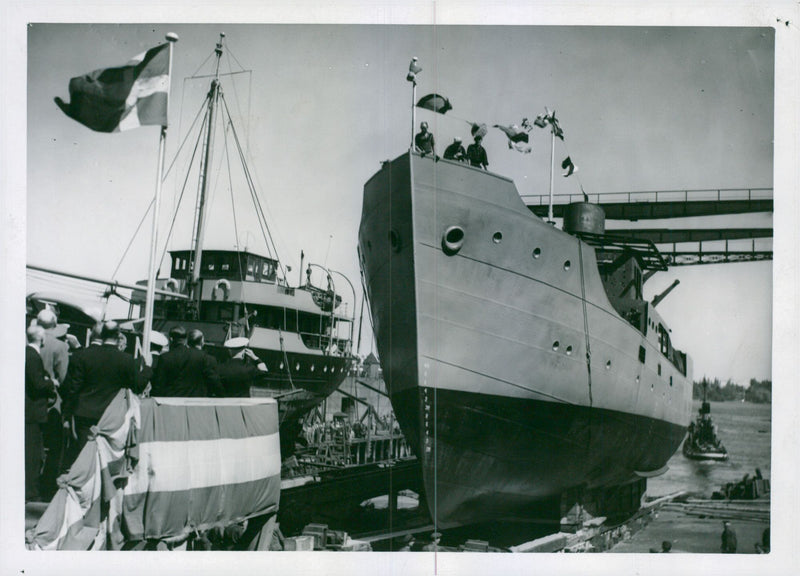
[(569, 350), (497, 237), (297, 366), (537, 252), (452, 240), (637, 379), (312, 367), (567, 265), (608, 365), (325, 369), (555, 345), (281, 366)]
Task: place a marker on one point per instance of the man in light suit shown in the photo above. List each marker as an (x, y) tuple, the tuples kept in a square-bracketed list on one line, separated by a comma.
[(39, 388)]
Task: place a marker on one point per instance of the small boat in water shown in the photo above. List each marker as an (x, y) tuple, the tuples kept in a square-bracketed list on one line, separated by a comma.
[(702, 441)]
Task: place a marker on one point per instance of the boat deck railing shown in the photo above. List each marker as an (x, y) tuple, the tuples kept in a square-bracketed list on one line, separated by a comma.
[(711, 194)]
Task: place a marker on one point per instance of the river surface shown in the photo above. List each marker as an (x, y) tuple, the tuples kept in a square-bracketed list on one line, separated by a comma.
[(745, 430)]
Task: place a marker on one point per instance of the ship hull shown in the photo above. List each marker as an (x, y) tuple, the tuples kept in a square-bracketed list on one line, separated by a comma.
[(509, 370), (526, 452)]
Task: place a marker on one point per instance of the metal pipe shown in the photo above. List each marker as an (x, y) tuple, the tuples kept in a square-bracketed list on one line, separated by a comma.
[(111, 283)]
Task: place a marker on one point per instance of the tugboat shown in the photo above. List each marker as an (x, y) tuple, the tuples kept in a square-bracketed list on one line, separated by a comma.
[(702, 442)]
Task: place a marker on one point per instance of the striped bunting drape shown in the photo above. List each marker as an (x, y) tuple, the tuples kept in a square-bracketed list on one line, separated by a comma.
[(160, 467)]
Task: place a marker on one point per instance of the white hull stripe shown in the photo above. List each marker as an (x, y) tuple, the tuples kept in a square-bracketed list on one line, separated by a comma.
[(174, 466)]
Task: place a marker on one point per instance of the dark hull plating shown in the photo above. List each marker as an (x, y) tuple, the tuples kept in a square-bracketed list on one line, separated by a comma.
[(527, 451)]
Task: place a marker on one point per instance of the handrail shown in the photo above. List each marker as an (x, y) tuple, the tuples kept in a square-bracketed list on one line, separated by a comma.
[(718, 194)]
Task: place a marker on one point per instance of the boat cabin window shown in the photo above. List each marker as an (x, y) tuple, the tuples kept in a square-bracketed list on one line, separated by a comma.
[(219, 312), (231, 265)]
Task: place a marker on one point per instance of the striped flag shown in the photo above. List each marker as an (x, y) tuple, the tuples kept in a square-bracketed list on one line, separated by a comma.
[(162, 467), (122, 98)]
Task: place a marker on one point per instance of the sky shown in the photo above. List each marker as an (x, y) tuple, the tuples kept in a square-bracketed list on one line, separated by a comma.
[(642, 108)]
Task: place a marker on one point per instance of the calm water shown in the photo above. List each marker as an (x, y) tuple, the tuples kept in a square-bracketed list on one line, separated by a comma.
[(745, 429)]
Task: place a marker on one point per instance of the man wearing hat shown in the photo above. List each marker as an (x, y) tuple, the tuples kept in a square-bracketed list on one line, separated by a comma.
[(157, 344), (455, 151), (242, 370), (185, 371)]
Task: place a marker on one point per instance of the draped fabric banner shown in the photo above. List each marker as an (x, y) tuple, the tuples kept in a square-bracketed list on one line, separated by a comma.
[(161, 467)]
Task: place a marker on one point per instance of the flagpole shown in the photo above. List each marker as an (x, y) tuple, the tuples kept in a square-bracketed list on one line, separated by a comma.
[(413, 111), (552, 169), (152, 271)]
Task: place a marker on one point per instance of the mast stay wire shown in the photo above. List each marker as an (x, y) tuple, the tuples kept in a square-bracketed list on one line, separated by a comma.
[(265, 229), (228, 55), (236, 226), (180, 199), (152, 201)]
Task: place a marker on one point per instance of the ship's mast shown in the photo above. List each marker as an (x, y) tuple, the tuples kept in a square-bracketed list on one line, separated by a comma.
[(200, 225)]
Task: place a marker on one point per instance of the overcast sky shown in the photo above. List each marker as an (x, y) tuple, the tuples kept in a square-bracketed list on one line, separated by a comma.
[(642, 108)]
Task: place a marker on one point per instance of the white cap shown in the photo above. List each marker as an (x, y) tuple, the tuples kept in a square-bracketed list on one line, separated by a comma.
[(241, 342), (60, 330), (158, 339)]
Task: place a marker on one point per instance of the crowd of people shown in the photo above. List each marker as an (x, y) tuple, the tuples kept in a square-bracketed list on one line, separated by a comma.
[(68, 386), (475, 153)]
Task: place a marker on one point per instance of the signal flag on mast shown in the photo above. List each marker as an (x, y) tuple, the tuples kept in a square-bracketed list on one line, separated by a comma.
[(122, 98)]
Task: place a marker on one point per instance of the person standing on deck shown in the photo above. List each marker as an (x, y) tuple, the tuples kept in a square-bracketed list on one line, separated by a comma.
[(477, 154), (96, 374), (185, 371), (55, 352), (242, 370), (455, 151), (424, 141), (55, 357), (38, 389), (728, 539)]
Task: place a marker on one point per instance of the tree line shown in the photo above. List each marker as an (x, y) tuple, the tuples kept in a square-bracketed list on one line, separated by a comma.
[(758, 392)]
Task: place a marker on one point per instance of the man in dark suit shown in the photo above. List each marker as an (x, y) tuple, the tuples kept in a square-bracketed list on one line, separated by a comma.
[(242, 370), (38, 389), (96, 374), (185, 371)]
